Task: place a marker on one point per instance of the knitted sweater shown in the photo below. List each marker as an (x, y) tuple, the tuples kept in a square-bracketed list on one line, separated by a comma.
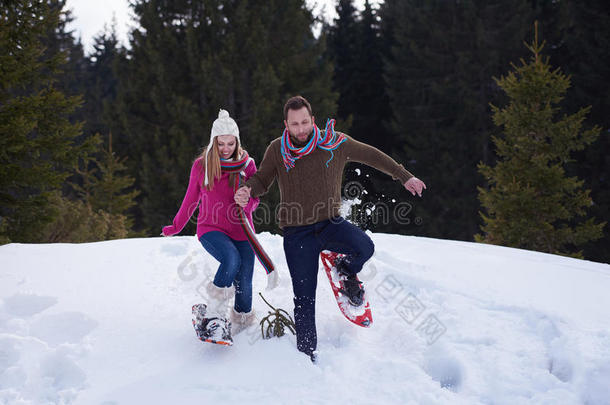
[(217, 208), (311, 192)]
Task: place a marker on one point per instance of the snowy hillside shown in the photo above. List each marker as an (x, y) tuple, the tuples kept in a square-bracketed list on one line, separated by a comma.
[(454, 322)]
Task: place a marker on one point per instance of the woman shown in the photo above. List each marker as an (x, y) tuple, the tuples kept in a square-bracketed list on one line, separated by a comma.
[(214, 177)]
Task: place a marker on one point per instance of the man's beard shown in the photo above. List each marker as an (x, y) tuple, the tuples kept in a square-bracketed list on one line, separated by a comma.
[(296, 142)]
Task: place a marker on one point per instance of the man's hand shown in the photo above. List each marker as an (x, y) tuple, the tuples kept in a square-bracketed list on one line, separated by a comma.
[(242, 195), (415, 185)]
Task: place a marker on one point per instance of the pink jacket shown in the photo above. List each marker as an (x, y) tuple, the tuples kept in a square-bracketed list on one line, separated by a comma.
[(217, 208)]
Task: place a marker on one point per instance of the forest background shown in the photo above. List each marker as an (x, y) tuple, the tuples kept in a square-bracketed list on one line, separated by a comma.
[(98, 146)]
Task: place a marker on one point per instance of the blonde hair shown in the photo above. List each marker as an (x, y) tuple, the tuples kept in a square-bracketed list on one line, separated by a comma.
[(213, 172)]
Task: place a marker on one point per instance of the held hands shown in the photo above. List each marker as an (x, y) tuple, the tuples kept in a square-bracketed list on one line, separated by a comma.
[(242, 195), (415, 185)]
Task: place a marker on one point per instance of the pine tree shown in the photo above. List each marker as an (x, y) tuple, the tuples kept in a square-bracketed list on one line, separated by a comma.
[(101, 82), (343, 40), (371, 101), (580, 45), (106, 186), (71, 77), (438, 69), (531, 202), (77, 222), (37, 138)]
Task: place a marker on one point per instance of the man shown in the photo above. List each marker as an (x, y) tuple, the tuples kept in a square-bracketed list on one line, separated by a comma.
[(308, 164)]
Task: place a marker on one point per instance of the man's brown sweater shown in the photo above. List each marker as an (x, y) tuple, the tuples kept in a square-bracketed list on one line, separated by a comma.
[(311, 192)]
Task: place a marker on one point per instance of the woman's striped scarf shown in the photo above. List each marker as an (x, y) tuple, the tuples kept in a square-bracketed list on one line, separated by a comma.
[(262, 256), (235, 166), (327, 140), (238, 166)]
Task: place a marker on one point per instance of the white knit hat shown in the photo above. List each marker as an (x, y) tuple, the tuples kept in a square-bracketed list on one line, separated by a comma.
[(223, 125)]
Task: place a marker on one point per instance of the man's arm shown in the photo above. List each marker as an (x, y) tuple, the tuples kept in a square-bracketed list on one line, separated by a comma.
[(260, 181), (360, 152)]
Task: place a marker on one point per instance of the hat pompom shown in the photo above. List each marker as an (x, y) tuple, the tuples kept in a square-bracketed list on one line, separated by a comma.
[(223, 114)]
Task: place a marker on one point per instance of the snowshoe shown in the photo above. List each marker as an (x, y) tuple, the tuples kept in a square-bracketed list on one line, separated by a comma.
[(213, 329), (350, 286), (359, 314)]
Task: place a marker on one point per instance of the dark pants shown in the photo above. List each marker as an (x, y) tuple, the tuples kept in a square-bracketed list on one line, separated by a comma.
[(302, 246)]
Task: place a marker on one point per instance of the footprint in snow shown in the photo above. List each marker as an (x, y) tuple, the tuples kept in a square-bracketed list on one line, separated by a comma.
[(62, 372), (560, 352), (65, 327), (562, 357), (24, 305), (40, 374), (444, 369)]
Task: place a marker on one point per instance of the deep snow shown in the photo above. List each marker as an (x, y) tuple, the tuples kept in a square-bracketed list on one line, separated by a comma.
[(454, 322)]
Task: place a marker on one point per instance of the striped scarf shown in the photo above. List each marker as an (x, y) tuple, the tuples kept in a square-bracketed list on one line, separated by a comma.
[(262, 256), (238, 166), (328, 140), (235, 166)]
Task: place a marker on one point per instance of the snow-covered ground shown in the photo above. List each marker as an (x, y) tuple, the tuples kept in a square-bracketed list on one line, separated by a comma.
[(454, 322)]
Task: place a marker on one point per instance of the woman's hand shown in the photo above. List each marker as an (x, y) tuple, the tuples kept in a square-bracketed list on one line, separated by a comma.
[(168, 230), (242, 195)]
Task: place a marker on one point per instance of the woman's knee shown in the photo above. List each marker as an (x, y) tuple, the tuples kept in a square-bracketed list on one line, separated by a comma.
[(232, 261)]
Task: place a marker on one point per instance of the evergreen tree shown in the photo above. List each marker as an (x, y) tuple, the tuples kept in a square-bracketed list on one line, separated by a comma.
[(344, 41), (438, 72), (371, 102), (37, 138), (531, 202), (355, 46), (70, 78), (101, 82), (77, 222), (580, 45), (105, 185)]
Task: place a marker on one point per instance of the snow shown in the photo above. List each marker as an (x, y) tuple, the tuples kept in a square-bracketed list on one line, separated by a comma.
[(347, 207), (453, 322)]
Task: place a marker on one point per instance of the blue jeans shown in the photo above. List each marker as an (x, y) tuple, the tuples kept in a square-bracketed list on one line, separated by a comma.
[(236, 266), (302, 247)]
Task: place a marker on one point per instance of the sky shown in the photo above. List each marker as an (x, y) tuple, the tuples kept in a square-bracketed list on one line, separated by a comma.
[(91, 16)]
